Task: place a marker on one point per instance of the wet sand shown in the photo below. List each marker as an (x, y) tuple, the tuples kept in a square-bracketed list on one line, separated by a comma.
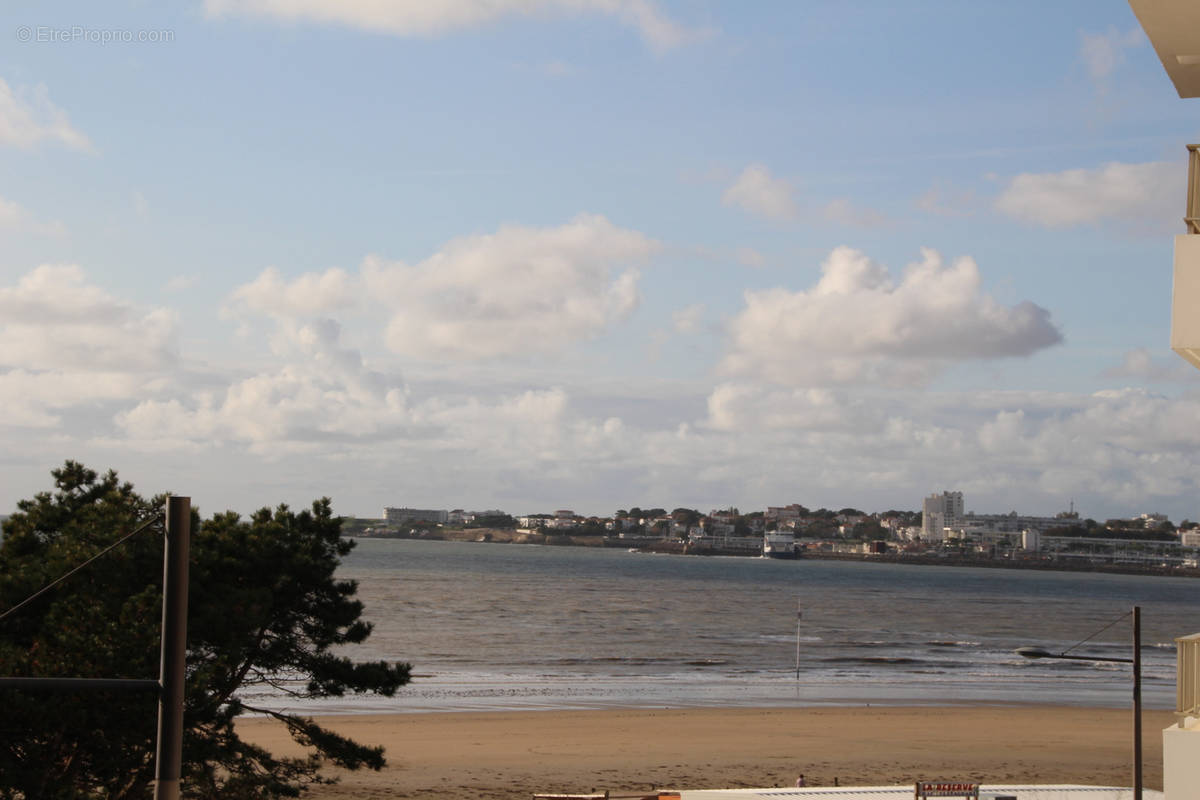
[(513, 754)]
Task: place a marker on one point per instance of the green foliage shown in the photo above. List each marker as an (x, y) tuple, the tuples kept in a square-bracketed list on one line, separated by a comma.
[(687, 516), (1096, 531), (501, 521), (265, 610), (870, 529), (590, 527)]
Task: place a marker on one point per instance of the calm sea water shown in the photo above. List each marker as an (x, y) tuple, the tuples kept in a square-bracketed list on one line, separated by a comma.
[(490, 627)]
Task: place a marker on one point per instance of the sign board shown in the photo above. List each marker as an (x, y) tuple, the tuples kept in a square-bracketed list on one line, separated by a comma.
[(927, 789)]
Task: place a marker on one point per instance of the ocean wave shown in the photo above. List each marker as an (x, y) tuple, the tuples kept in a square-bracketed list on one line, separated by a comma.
[(872, 660)]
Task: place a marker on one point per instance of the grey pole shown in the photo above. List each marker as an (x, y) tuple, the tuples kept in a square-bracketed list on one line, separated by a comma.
[(799, 615), (1137, 703), (1136, 661), (169, 757)]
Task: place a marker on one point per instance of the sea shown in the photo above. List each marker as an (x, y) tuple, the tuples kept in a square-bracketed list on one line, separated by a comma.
[(491, 627)]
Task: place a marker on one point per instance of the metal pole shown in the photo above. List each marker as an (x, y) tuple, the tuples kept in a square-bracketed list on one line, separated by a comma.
[(168, 760), (1137, 703), (799, 613)]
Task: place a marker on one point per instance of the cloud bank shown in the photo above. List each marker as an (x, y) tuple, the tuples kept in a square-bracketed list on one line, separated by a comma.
[(858, 325), (516, 292), (67, 343), (1131, 196)]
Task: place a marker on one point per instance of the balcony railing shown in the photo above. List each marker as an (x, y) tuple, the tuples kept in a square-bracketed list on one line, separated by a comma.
[(1187, 677), (1192, 220)]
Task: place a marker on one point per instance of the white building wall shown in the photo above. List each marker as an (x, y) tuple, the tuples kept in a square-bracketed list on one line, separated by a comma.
[(1031, 540), (402, 515), (1181, 761), (933, 527)]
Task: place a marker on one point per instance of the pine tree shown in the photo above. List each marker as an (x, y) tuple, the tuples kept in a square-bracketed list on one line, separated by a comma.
[(265, 610)]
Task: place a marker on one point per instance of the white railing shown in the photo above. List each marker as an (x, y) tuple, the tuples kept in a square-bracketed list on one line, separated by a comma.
[(1187, 677), (1192, 220)]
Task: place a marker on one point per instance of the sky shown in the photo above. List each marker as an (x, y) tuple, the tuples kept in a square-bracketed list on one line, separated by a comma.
[(595, 254)]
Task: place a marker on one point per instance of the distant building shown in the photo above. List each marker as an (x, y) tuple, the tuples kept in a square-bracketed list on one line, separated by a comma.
[(403, 515), (1011, 522), (944, 512), (1031, 541), (789, 513), (938, 512)]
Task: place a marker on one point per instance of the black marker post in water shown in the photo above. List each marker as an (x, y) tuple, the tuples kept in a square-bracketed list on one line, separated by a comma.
[(799, 613)]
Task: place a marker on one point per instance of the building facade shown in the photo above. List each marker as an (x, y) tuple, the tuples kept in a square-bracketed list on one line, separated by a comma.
[(400, 516), (938, 512)]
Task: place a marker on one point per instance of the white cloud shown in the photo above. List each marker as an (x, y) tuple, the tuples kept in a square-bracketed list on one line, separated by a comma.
[(688, 320), (844, 212), (52, 318), (1130, 195), (423, 18), (38, 398), (1140, 364), (15, 218), (533, 423), (738, 407), (308, 295), (945, 201), (757, 191), (1102, 53), (27, 117), (857, 325), (70, 349), (322, 392), (325, 400), (518, 291), (1125, 444)]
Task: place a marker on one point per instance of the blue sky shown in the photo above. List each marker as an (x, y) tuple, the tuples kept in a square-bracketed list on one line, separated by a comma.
[(535, 254)]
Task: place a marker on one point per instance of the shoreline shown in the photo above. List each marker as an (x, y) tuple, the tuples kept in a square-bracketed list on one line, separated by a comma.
[(506, 536), (511, 754)]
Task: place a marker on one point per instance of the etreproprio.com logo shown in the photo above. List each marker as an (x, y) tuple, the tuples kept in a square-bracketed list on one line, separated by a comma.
[(81, 34)]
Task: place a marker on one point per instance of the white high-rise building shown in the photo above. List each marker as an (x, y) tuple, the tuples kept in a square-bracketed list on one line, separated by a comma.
[(938, 512)]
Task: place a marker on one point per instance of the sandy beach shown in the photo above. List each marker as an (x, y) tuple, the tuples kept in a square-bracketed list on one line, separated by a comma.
[(512, 754)]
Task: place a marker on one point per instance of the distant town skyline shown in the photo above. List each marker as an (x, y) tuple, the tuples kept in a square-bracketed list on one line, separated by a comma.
[(585, 254)]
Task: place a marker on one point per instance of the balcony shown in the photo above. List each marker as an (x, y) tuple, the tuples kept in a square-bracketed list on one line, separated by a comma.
[(1185, 297), (1187, 677), (1192, 220)]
